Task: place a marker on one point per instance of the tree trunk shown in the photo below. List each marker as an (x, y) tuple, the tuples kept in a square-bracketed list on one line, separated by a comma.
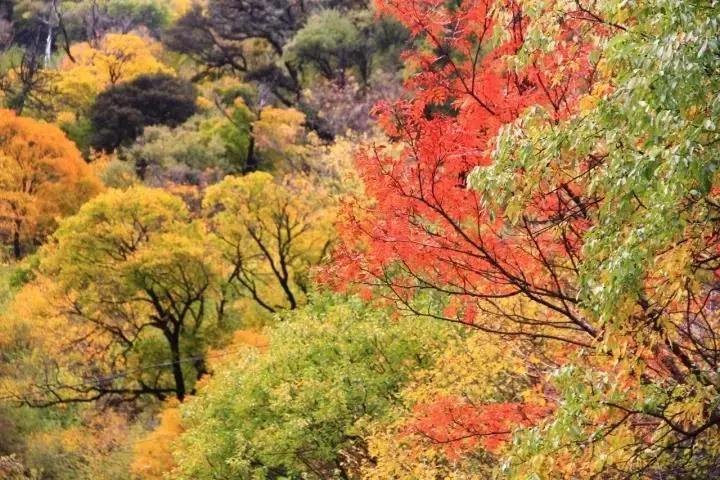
[(251, 163), (17, 247), (174, 340), (49, 38)]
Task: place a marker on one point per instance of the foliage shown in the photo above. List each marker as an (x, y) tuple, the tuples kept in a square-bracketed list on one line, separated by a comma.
[(115, 173), (129, 282), (91, 20), (24, 84), (192, 35), (93, 67), (183, 152), (25, 17), (238, 138), (334, 166), (93, 447), (648, 281), (121, 112), (11, 468), (78, 129), (281, 139), (331, 43), (543, 177), (301, 409), (43, 177), (88, 20), (152, 454), (582, 146), (273, 21), (455, 418), (281, 47), (270, 234)]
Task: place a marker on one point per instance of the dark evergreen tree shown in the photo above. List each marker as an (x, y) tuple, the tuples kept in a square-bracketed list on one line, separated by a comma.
[(120, 113)]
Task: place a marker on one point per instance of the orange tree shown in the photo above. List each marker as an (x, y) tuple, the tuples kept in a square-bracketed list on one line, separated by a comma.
[(42, 177)]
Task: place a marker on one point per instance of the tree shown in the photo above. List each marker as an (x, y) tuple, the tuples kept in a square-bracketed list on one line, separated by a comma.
[(93, 67), (24, 82), (302, 408), (225, 34), (270, 234), (273, 21), (130, 283), (63, 22), (251, 37), (330, 43), (182, 153), (192, 35), (334, 43), (280, 140), (121, 112), (579, 160), (29, 20), (219, 44), (43, 177), (91, 20), (40, 25), (455, 419), (424, 220)]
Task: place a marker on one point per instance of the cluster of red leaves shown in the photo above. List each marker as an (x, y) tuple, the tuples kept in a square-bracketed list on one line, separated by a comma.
[(421, 216), (459, 426)]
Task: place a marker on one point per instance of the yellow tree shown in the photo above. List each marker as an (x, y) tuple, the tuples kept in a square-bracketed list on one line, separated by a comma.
[(129, 281), (117, 58), (271, 233), (280, 138), (42, 177), (141, 282)]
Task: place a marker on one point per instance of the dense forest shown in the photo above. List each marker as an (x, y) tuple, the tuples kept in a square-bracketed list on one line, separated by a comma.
[(356, 239)]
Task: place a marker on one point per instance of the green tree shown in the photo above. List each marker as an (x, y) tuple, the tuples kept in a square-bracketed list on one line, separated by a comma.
[(334, 43), (301, 409), (331, 44), (186, 151)]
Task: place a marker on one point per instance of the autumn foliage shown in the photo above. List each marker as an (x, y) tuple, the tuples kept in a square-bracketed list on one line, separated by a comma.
[(43, 177), (500, 193), (458, 426), (423, 217), (425, 229), (223, 271)]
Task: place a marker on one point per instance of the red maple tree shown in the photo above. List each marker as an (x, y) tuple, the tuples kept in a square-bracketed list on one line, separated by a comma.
[(423, 228)]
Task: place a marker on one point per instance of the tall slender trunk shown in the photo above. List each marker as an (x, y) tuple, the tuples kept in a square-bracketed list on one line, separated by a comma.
[(49, 39), (48, 46)]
